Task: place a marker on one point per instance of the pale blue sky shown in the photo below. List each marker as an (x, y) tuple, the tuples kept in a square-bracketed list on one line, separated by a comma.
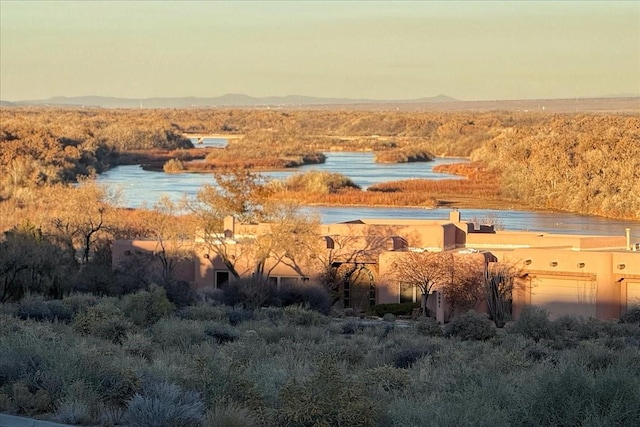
[(376, 50)]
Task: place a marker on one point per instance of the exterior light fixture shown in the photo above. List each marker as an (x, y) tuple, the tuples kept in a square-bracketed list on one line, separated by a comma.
[(206, 256), (553, 263), (527, 261), (581, 265), (621, 266)]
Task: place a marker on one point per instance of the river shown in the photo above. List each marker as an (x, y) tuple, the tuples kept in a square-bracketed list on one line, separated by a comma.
[(140, 187)]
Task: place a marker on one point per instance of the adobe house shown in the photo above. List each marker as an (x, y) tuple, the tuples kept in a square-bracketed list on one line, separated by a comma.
[(596, 276)]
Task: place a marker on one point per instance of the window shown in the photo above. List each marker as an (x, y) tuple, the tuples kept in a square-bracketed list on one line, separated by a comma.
[(222, 278), (407, 293)]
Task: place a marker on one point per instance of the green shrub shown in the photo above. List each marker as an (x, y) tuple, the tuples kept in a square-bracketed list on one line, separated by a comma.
[(314, 297), (164, 404), (389, 317), (428, 326), (104, 320), (401, 309), (79, 303), (36, 308), (470, 326), (300, 316), (326, 399), (144, 308), (28, 402), (534, 323)]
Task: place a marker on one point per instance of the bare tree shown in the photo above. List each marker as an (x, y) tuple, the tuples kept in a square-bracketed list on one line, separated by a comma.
[(238, 193), (464, 285), (172, 233), (292, 238), (424, 271)]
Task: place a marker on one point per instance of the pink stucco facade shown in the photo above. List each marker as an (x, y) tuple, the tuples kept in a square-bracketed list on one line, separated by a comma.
[(592, 276)]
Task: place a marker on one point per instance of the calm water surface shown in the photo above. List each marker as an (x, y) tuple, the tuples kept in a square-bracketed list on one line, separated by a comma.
[(142, 187)]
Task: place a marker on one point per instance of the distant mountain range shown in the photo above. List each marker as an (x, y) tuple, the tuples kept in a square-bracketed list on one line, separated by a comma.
[(228, 100), (617, 103)]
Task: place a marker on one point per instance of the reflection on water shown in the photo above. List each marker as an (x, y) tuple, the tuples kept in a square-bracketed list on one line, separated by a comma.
[(146, 187)]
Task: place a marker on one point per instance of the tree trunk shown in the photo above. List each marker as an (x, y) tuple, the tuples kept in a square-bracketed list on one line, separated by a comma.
[(423, 304)]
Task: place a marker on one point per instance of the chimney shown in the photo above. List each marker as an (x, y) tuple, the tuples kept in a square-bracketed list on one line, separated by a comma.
[(627, 232), (454, 216)]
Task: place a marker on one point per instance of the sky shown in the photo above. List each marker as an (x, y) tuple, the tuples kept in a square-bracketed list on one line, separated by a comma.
[(469, 50)]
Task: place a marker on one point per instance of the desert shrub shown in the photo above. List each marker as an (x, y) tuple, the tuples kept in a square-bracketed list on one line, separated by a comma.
[(631, 315), (389, 317), (534, 323), (173, 332), (180, 293), (204, 311), (33, 307), (114, 385), (28, 402), (231, 415), (79, 302), (428, 326), (73, 411), (221, 333), (570, 395), (164, 404), (138, 344), (104, 320), (272, 314), (237, 315), (248, 292), (314, 297), (144, 308), (388, 379), (76, 407), (349, 328), (407, 357), (401, 309), (326, 398), (470, 326), (300, 316)]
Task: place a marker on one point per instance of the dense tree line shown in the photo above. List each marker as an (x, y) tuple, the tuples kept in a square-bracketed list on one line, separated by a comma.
[(48, 146), (588, 164)]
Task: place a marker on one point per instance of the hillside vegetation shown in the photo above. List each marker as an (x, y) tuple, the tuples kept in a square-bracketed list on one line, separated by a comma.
[(138, 361), (574, 162)]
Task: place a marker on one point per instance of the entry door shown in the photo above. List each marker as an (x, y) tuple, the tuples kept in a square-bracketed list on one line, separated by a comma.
[(222, 278)]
